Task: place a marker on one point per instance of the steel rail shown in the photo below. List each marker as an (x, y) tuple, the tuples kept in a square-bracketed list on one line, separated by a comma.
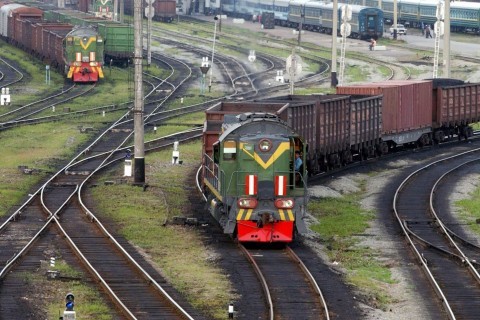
[(406, 233), (263, 282)]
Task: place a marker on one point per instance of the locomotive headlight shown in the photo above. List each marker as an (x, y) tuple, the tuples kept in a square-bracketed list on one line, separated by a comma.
[(285, 203), (93, 64), (247, 203), (77, 64)]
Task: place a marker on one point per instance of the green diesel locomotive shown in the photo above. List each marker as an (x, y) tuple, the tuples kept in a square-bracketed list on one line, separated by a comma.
[(254, 190), (83, 55)]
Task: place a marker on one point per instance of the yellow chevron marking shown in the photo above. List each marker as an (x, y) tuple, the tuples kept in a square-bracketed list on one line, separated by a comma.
[(249, 214), (85, 46), (240, 213), (284, 146), (104, 1), (100, 72), (282, 214), (290, 215), (70, 72)]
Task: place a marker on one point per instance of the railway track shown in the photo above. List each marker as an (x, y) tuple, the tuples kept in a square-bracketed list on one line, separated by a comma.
[(290, 289), (24, 114), (134, 287), (447, 257), (10, 74), (312, 52)]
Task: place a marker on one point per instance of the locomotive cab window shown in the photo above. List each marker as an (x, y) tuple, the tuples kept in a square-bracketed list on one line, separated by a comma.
[(229, 150), (216, 152)]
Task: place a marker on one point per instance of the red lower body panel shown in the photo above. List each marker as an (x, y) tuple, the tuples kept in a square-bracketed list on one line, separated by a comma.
[(280, 231), (84, 76), (85, 73)]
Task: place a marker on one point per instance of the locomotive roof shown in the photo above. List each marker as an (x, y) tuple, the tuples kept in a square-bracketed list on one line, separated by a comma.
[(232, 123), (83, 32)]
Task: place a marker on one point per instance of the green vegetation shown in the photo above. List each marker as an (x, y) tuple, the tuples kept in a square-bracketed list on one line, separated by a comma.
[(143, 218), (35, 76), (51, 293), (341, 220), (469, 212), (41, 148)]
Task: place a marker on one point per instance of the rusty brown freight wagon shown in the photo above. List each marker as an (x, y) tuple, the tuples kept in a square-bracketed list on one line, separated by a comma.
[(39, 30), (326, 122), (15, 26), (343, 126), (455, 107), (406, 109)]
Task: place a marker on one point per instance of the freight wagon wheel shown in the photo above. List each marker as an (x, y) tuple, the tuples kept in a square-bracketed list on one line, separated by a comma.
[(439, 136), (346, 157), (371, 151), (333, 161), (382, 148), (423, 140), (469, 131)]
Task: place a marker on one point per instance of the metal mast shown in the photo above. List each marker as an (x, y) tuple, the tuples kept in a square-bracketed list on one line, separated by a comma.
[(334, 80), (139, 154), (345, 30)]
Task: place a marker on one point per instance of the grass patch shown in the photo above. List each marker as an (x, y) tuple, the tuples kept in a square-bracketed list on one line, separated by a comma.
[(341, 220), (50, 294), (42, 147), (469, 211), (177, 250)]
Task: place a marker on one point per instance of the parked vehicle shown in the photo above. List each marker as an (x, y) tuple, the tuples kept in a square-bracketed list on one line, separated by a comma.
[(401, 30)]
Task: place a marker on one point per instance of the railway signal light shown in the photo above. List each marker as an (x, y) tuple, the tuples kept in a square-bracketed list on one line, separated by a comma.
[(69, 301)]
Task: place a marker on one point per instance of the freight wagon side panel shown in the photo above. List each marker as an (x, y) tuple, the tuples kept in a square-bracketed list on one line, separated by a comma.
[(166, 10), (119, 39), (458, 105), (39, 34), (57, 37), (27, 34), (333, 126), (366, 121), (407, 105)]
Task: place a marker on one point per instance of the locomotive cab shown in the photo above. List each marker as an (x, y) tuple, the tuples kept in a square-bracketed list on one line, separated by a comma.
[(259, 196)]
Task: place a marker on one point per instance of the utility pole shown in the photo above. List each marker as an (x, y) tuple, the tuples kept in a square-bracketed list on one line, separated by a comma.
[(395, 19), (334, 80), (446, 40), (122, 10), (150, 13), (139, 153), (213, 52)]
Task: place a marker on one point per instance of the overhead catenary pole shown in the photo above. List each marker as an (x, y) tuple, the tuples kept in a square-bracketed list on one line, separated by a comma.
[(334, 44), (115, 10), (394, 19), (446, 40), (213, 53), (122, 10), (139, 154), (149, 32)]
